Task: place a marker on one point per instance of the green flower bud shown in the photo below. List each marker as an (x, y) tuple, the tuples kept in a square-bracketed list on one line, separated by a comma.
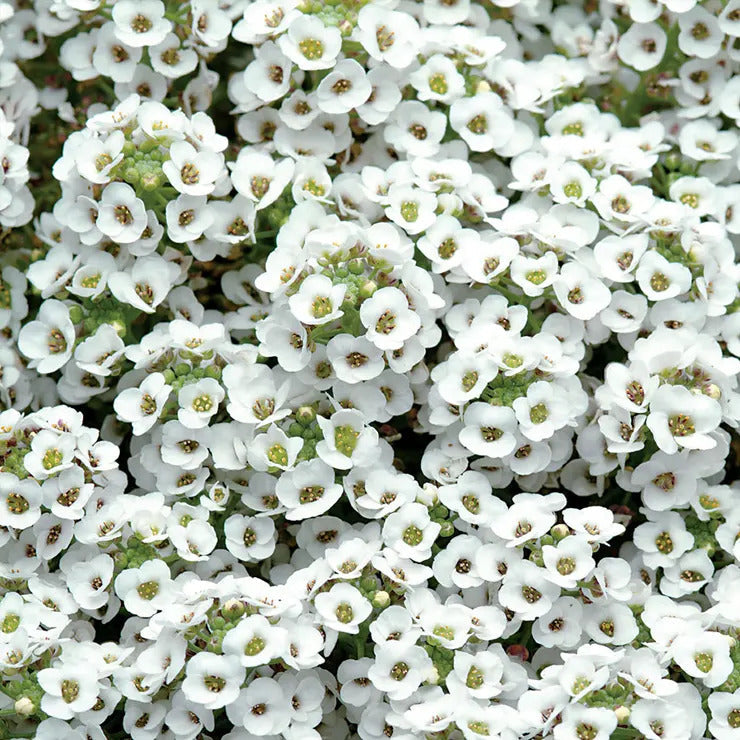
[(673, 161), (233, 609), (182, 369), (439, 512), (356, 267), (131, 175), (447, 529), (150, 181), (305, 415), (75, 314), (368, 288), (672, 177)]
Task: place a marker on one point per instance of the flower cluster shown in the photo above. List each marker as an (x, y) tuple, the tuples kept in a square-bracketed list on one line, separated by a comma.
[(369, 369)]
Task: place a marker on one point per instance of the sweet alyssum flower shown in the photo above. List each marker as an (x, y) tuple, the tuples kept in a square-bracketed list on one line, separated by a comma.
[(400, 355)]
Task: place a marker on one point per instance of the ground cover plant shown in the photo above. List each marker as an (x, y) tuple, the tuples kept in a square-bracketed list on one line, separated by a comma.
[(369, 369)]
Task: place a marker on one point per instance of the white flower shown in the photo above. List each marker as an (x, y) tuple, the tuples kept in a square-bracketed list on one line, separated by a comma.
[(347, 441), (680, 418), (112, 58), (724, 707), (259, 178), (121, 215), (342, 608), (660, 279), (308, 490), (642, 46), (170, 59), (527, 591), (274, 449), (142, 406), (437, 79), (400, 672), (310, 44), (705, 655), (254, 641), (344, 88), (146, 589), (415, 129), (69, 689), (211, 680), (387, 35), (354, 359), (190, 171), (410, 532), (199, 402), (249, 538), (48, 341), (571, 183), (264, 703), (20, 505), (318, 300), (140, 22), (388, 318), (268, 76), (482, 121), (579, 718), (147, 284)]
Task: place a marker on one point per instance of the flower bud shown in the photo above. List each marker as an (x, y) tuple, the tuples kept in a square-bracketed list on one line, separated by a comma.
[(518, 651), (428, 495), (447, 529), (24, 707), (673, 161), (560, 531), (381, 599), (232, 609), (150, 181), (356, 267), (75, 314), (131, 175), (119, 326), (622, 714), (433, 677), (368, 288), (305, 415)]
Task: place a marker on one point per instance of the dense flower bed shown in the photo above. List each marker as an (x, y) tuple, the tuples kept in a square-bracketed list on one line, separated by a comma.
[(369, 369)]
